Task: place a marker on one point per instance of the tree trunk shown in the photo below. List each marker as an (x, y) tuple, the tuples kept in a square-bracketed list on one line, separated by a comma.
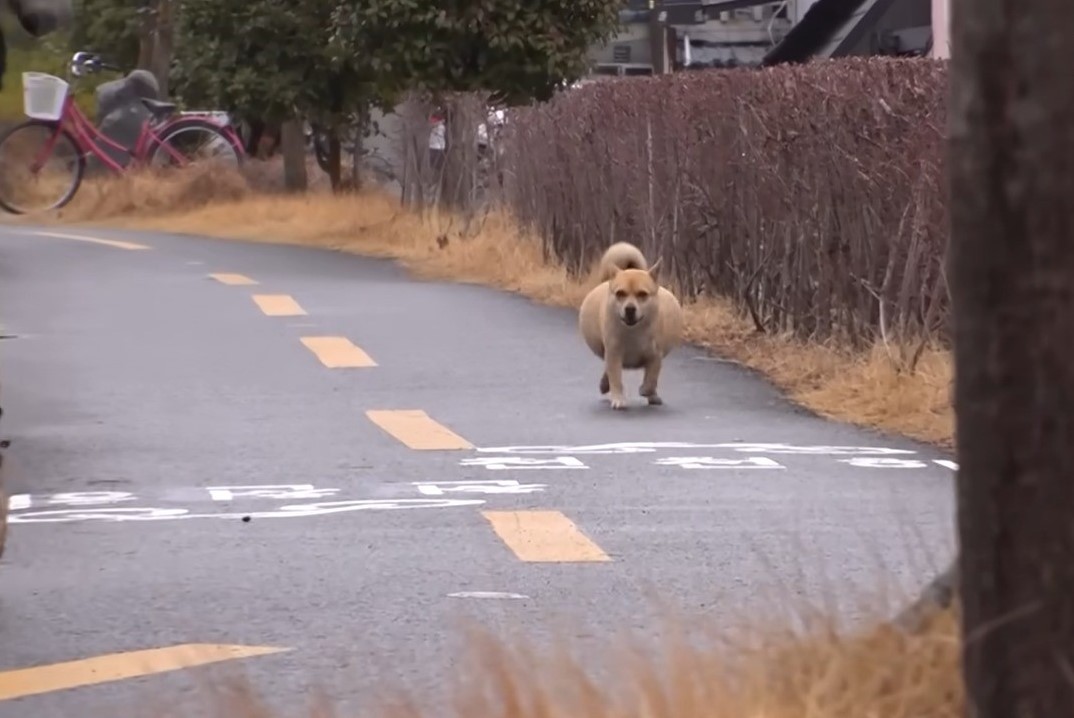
[(335, 157), (413, 149), (1012, 286), (253, 143), (294, 156), (160, 62), (147, 23), (356, 155), (658, 39), (356, 133), (457, 180)]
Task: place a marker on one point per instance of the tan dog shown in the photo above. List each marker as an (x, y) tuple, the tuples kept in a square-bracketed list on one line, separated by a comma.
[(630, 321)]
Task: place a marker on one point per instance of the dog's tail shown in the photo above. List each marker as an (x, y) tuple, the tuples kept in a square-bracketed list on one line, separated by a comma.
[(619, 256)]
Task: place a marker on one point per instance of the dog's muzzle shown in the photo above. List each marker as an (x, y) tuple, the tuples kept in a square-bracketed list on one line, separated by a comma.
[(630, 316)]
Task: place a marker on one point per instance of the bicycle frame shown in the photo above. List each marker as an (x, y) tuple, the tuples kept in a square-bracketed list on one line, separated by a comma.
[(87, 137)]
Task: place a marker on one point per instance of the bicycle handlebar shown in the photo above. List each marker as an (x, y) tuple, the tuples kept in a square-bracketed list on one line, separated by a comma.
[(88, 63)]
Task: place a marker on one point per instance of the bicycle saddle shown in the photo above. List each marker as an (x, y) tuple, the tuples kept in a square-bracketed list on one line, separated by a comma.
[(158, 108)]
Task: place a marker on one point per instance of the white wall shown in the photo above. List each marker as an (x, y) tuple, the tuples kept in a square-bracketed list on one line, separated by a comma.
[(941, 28), (800, 9)]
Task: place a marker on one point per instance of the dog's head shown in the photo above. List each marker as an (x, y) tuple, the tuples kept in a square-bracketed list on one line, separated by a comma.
[(633, 292)]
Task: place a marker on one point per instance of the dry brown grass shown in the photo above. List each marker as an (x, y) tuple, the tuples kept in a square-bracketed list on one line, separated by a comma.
[(691, 671), (694, 672), (868, 389)]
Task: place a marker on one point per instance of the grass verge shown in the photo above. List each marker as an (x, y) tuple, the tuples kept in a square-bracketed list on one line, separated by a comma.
[(866, 388), (688, 672), (692, 673)]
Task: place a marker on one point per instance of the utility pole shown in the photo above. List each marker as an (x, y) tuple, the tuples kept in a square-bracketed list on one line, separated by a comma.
[(658, 37)]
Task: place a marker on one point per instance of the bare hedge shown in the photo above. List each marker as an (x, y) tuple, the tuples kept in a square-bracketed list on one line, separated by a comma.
[(813, 195)]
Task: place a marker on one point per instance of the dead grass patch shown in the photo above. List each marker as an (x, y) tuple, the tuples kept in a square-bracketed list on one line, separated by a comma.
[(690, 671), (693, 672), (863, 388)]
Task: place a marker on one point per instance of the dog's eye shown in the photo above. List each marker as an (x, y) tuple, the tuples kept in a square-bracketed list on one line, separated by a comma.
[(643, 296), (620, 294)]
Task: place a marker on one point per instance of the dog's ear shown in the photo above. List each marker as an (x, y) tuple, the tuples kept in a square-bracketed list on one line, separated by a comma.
[(652, 270)]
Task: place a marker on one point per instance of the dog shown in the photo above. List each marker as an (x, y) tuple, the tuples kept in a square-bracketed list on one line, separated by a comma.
[(630, 321)]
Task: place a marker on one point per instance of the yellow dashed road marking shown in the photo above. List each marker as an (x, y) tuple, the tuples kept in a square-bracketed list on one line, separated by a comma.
[(278, 305), (417, 430), (118, 244), (338, 352), (544, 536), (119, 666), (232, 279)]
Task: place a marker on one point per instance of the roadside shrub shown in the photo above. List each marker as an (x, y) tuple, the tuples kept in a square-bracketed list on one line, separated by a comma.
[(812, 195)]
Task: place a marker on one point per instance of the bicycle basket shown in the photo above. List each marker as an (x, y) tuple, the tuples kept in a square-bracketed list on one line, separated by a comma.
[(43, 95)]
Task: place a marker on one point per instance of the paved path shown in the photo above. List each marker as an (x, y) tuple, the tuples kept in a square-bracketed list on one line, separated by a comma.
[(393, 443)]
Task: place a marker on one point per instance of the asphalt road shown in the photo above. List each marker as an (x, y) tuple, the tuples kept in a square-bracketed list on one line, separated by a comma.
[(144, 398)]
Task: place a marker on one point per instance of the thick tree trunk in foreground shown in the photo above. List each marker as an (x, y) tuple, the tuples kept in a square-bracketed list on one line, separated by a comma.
[(1012, 284), (293, 145)]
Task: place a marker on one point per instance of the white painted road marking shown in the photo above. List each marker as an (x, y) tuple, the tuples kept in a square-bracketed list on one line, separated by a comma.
[(117, 243), (486, 594), (872, 462), (635, 447), (494, 486), (269, 491), (118, 514), (279, 492), (516, 462), (709, 462), (79, 498)]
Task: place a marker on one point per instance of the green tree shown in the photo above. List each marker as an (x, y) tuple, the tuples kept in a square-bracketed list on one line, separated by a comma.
[(110, 27), (270, 61), (331, 60), (515, 50), (520, 50)]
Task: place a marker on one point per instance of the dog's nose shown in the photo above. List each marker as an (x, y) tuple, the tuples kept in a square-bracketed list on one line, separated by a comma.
[(631, 313)]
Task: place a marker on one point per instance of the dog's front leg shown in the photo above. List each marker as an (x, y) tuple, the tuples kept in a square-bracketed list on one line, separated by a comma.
[(613, 370), (648, 383)]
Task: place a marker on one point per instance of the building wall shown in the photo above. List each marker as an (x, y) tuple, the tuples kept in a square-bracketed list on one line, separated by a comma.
[(631, 45), (941, 28), (743, 35), (801, 7)]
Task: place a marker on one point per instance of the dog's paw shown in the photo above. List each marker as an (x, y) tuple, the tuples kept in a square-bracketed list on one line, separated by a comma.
[(618, 402), (654, 399), (605, 385)]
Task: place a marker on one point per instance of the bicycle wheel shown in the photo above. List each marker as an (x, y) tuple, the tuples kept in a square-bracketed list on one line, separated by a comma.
[(192, 141), (41, 167)]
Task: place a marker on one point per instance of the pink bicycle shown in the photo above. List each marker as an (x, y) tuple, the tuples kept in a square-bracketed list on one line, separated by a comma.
[(58, 131)]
